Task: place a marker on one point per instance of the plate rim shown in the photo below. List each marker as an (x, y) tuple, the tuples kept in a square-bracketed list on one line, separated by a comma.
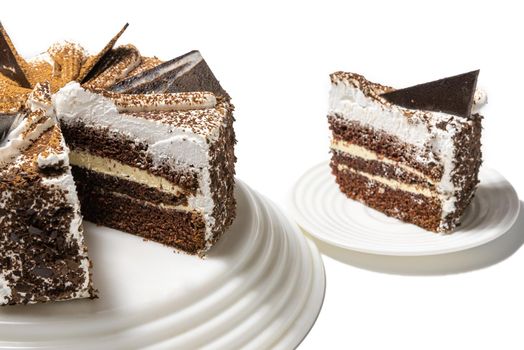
[(297, 216)]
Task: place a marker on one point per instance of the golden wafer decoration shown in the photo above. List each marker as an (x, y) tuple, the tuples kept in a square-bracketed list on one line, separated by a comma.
[(61, 64)]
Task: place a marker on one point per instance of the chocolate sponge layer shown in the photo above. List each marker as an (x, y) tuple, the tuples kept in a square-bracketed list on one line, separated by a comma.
[(180, 229), (413, 208)]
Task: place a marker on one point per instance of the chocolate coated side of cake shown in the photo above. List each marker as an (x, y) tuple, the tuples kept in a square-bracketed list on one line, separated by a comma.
[(468, 161), (222, 174), (43, 255)]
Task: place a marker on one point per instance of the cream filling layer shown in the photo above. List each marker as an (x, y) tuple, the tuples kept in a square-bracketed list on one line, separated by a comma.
[(366, 154), (394, 184), (118, 169), (160, 205)]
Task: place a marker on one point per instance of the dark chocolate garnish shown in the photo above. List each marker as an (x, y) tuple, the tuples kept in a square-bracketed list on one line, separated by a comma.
[(92, 65), (186, 73), (9, 65), (452, 95), (8, 122), (112, 62)]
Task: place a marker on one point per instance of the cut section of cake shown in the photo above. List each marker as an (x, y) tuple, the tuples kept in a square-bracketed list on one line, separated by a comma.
[(160, 166), (413, 154), (153, 147), (43, 254)]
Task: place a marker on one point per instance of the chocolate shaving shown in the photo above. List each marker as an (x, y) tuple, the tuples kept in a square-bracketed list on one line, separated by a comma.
[(115, 66), (10, 60), (91, 66), (452, 95)]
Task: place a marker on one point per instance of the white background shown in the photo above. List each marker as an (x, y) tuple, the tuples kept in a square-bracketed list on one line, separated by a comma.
[(274, 58)]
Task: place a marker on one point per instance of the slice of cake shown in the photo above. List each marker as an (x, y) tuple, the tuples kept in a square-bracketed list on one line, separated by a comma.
[(413, 154), (152, 147), (43, 255)]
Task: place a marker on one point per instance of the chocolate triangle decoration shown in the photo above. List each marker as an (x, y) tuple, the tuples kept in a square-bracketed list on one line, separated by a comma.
[(9, 60), (185, 73), (453, 95), (92, 63)]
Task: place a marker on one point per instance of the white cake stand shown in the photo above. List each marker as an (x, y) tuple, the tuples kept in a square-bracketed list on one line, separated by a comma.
[(261, 287)]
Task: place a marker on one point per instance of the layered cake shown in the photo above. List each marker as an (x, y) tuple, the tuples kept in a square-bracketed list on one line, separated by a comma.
[(414, 153), (152, 153), (43, 254)]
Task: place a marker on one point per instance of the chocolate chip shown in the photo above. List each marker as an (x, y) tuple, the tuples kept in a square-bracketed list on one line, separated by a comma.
[(14, 237), (23, 287), (43, 272), (35, 231)]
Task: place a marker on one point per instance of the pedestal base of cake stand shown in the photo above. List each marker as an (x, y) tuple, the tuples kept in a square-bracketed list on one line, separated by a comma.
[(330, 217), (262, 286)]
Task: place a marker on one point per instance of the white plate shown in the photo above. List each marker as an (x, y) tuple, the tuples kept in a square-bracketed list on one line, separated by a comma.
[(328, 215), (261, 286)]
